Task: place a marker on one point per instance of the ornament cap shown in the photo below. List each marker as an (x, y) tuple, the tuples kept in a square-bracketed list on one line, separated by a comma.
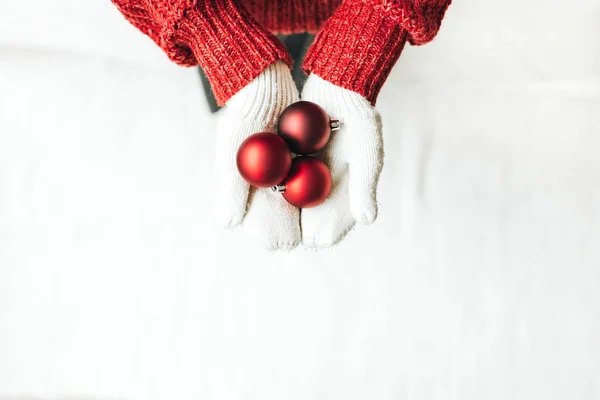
[(278, 188), (334, 124)]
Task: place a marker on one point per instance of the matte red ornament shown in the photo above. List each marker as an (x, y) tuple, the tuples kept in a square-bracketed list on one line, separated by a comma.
[(305, 127), (264, 159), (307, 184)]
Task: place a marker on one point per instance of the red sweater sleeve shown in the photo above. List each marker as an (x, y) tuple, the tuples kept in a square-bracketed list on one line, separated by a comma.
[(220, 35), (359, 44)]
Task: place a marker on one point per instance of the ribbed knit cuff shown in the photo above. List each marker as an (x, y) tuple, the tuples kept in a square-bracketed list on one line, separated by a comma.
[(357, 48), (230, 46)]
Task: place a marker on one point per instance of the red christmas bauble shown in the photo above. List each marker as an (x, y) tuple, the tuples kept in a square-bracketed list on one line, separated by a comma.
[(305, 127), (264, 159), (308, 183)]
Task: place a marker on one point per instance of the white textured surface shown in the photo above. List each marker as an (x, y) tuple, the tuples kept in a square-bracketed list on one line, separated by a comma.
[(480, 280)]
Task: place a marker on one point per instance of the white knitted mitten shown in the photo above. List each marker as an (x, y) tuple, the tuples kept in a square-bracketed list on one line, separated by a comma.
[(266, 216), (354, 156)]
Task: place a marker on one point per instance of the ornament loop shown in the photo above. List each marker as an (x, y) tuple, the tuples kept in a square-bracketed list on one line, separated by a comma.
[(278, 188), (334, 124)]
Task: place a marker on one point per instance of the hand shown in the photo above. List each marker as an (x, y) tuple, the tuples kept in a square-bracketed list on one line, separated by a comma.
[(354, 156), (264, 214)]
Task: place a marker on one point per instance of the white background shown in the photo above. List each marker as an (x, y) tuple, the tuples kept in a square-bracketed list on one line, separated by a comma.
[(480, 279)]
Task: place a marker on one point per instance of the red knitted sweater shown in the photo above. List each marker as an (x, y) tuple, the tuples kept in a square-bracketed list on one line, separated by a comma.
[(357, 43)]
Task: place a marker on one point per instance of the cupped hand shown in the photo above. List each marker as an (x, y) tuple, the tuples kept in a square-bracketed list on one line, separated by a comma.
[(264, 215), (354, 156)]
